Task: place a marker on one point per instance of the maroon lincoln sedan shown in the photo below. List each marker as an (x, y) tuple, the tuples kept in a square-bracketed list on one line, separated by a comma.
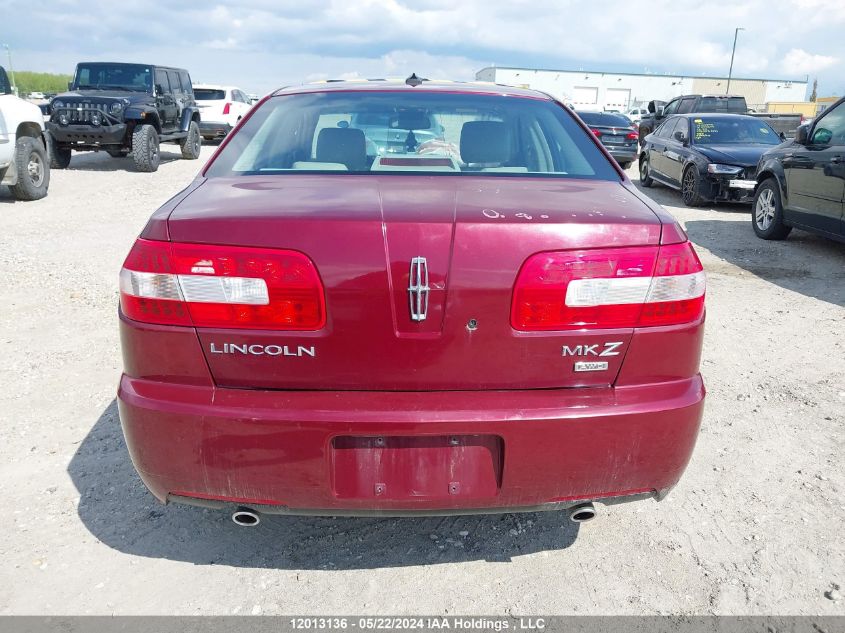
[(387, 298)]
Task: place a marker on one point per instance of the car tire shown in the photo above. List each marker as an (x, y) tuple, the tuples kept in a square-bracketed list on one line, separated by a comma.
[(767, 212), (645, 179), (192, 142), (145, 148), (691, 187), (59, 156), (33, 167)]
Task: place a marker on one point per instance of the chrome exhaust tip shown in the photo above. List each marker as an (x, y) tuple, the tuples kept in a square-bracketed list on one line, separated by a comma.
[(582, 513), (246, 517)]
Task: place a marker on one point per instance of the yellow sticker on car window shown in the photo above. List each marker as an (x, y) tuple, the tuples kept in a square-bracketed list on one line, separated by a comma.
[(703, 131)]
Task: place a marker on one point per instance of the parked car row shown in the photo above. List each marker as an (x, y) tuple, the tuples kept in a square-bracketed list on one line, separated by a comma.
[(126, 110), (783, 123), (739, 158)]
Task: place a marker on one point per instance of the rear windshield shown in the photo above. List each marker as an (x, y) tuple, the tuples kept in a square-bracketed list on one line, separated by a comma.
[(209, 94), (722, 104), (442, 134), (605, 119), (732, 130)]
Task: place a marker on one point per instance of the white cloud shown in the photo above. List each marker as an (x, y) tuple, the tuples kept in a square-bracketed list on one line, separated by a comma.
[(799, 62)]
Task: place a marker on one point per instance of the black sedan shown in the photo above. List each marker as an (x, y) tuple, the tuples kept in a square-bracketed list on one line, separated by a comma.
[(617, 134), (708, 157)]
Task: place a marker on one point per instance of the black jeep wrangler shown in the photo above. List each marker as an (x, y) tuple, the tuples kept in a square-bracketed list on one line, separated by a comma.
[(127, 110)]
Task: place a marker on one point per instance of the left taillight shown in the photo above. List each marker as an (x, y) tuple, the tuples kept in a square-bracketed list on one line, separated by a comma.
[(609, 288), (221, 286)]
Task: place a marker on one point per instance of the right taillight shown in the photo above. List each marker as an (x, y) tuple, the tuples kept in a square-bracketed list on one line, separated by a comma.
[(609, 288), (221, 286)]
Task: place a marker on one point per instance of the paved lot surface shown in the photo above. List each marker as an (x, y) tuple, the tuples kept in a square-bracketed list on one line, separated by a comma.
[(755, 526)]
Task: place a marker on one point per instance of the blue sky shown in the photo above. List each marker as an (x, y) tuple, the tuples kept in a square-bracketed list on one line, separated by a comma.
[(263, 44)]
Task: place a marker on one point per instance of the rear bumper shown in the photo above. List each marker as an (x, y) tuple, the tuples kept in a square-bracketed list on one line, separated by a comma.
[(214, 128), (623, 154), (393, 453)]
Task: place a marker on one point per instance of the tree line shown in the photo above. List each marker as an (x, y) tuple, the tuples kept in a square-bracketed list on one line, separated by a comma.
[(27, 82)]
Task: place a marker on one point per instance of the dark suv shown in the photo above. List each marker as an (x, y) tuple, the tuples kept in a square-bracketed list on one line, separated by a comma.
[(801, 183), (127, 110)]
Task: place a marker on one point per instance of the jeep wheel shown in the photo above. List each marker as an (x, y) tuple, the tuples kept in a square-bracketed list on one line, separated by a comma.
[(33, 169), (145, 148), (59, 156), (191, 144)]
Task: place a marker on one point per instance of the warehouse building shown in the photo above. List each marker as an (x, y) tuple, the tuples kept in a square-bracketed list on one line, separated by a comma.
[(587, 90)]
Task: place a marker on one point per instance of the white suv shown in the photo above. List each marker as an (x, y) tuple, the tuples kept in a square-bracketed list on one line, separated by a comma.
[(24, 164), (221, 107), (636, 114)]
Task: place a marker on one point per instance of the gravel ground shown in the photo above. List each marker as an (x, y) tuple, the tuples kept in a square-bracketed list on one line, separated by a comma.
[(754, 527)]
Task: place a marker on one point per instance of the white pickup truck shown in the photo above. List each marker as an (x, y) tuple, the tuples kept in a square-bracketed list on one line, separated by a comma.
[(24, 164)]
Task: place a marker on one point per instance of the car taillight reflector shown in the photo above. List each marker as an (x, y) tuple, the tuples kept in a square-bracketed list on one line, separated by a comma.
[(609, 288), (596, 132), (221, 286), (633, 136), (226, 108)]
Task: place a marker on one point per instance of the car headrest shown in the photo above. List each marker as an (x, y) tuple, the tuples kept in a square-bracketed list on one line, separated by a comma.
[(347, 146), (485, 142)]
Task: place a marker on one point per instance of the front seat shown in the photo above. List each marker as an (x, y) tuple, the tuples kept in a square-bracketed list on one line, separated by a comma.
[(347, 146), (486, 143)]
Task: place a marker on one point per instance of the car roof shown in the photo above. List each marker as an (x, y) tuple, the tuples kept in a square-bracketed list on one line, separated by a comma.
[(136, 64), (215, 87), (712, 115), (709, 96), (399, 85)]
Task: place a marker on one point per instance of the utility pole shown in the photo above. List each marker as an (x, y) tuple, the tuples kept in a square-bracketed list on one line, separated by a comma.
[(733, 52)]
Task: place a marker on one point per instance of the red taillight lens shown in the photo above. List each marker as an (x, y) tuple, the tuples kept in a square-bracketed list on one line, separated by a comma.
[(609, 288), (596, 132), (221, 286), (226, 108), (633, 136)]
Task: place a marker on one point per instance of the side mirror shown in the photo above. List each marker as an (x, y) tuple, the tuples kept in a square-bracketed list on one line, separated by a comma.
[(802, 134), (159, 91), (680, 137), (70, 85), (660, 110)]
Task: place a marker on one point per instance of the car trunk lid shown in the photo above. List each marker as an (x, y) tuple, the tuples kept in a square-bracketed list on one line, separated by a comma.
[(365, 233)]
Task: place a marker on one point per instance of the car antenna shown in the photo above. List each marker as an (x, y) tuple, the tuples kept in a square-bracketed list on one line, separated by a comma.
[(415, 81)]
